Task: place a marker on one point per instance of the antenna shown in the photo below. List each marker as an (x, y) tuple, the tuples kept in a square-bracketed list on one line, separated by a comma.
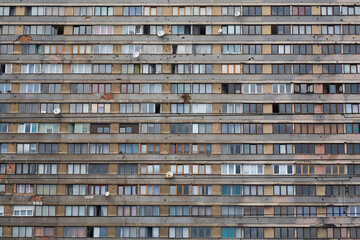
[(169, 174), (237, 14), (220, 30), (136, 54), (160, 33), (107, 194), (56, 111)]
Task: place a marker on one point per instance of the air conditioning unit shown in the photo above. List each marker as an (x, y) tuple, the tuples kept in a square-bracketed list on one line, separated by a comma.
[(56, 111), (136, 54), (220, 30), (160, 33), (169, 174), (237, 14)]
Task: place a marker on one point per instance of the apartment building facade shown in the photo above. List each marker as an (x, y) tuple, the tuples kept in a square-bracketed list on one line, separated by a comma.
[(195, 119)]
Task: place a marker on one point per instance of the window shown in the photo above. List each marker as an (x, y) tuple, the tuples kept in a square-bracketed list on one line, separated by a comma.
[(149, 169), (126, 232), (97, 211), (200, 232), (97, 189), (179, 190), (129, 108), (80, 68), (353, 169), (335, 169), (45, 211), (152, 11), (303, 69), (150, 128), (52, 68), (149, 211), (231, 108), (303, 88), (283, 190), (201, 108), (47, 168), (101, 68), (48, 148), (103, 30), (283, 169), (49, 107), (149, 190), (148, 232), (351, 29), (180, 108), (231, 190), (332, 88), (179, 211), (201, 190), (7, 29), (253, 233), (282, 128), (132, 30), (231, 49), (134, 128), (252, 108), (44, 232), (24, 188), (80, 88), (230, 10), (332, 29), (332, 48), (127, 169), (75, 211), (330, 11), (253, 169), (305, 211), (77, 232), (253, 148), (79, 108), (227, 128), (77, 148), (132, 11), (7, 11), (76, 168), (350, 10), (202, 29), (305, 148), (75, 189), (46, 189), (21, 231), (352, 108), (202, 49), (201, 88), (305, 190), (99, 148), (98, 168), (27, 127), (283, 149), (334, 68), (280, 11), (5, 107), (306, 233), (284, 211), (25, 168), (337, 149), (230, 29), (230, 148), (281, 69), (23, 211), (201, 68), (29, 88), (5, 88), (150, 108), (100, 128), (51, 88), (351, 49), (128, 148), (181, 11), (151, 88), (336, 211), (231, 211), (127, 190), (180, 88), (25, 148), (251, 11), (252, 68), (284, 232), (280, 29), (179, 128), (178, 232), (253, 190), (3, 168), (127, 211)]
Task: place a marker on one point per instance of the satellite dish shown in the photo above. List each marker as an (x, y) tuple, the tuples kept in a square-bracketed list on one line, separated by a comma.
[(107, 194), (56, 111), (220, 30), (160, 33), (237, 14), (136, 54), (169, 174)]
